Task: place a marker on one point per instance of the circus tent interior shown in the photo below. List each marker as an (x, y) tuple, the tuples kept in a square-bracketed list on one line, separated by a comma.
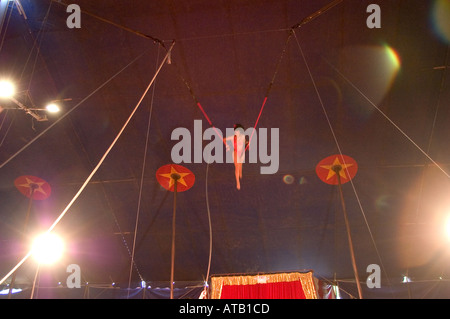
[(346, 177)]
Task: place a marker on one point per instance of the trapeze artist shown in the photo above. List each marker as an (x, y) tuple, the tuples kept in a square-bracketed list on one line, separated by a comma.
[(239, 147)]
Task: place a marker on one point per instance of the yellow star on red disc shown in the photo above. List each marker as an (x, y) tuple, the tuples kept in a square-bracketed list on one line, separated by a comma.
[(172, 181), (325, 169), (33, 187), (36, 185), (331, 172)]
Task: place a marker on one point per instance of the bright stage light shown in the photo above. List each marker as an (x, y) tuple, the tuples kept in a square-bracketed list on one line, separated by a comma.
[(7, 89), (406, 279), (13, 291), (47, 248), (52, 108)]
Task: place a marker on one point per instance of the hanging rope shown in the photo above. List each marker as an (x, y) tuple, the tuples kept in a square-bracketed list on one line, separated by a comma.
[(196, 101), (277, 67), (269, 88), (340, 152), (210, 226), (198, 104), (136, 32), (7, 24), (291, 32), (9, 126), (88, 179), (36, 44), (112, 144), (388, 119), (70, 111), (144, 161)]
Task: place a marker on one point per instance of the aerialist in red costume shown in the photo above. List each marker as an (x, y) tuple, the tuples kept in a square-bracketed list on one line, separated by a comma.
[(239, 146)]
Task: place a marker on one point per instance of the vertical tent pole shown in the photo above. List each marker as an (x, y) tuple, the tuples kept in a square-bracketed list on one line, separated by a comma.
[(168, 176), (33, 187), (175, 177), (337, 169)]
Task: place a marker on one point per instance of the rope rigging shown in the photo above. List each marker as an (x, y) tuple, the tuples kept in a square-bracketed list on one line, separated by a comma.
[(88, 179), (142, 182), (167, 58), (338, 147), (388, 119), (269, 88)]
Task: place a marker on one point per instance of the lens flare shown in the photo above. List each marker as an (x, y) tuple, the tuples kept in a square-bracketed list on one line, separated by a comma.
[(52, 108), (302, 180), (393, 57), (47, 248), (383, 203), (373, 69), (288, 179), (7, 89), (440, 17)]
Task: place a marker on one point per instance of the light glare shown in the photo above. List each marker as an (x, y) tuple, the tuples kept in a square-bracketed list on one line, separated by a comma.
[(447, 228), (393, 58), (13, 291), (406, 279), (47, 248), (7, 89), (52, 108)]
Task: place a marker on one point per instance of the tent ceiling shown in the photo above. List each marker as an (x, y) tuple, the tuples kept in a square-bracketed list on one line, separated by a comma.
[(226, 55)]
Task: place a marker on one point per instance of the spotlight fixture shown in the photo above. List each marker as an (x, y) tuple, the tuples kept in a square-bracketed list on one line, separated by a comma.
[(7, 92), (29, 111)]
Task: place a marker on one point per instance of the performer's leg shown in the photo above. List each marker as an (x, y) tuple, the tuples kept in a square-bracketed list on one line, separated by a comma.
[(236, 173), (240, 170)]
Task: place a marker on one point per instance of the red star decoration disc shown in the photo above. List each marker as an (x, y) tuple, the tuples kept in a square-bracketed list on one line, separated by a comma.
[(324, 169), (26, 183), (186, 181)]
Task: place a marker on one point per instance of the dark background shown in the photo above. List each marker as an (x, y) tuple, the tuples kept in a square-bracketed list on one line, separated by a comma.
[(229, 56)]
